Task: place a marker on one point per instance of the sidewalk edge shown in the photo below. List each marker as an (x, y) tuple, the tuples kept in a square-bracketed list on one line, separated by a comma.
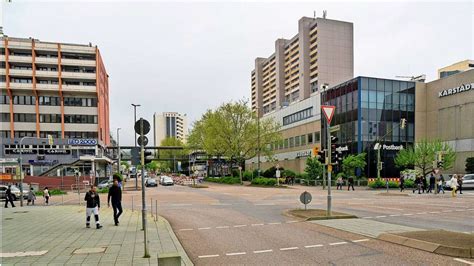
[(185, 260)]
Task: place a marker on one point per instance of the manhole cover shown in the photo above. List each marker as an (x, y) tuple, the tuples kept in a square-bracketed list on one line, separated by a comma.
[(9, 218), (89, 250)]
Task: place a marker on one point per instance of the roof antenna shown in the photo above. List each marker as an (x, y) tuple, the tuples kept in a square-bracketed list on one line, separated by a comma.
[(325, 13), (314, 14)]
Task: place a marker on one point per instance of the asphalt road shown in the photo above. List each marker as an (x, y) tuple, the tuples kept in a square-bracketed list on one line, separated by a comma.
[(226, 224)]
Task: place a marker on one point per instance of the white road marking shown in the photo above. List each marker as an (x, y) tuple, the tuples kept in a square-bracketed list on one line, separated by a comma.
[(470, 209), (23, 254), (257, 224), (464, 261), (221, 227), (447, 211), (264, 204), (360, 240), (408, 214), (337, 243), (367, 217), (435, 212), (181, 204), (422, 213), (290, 248), (289, 222), (394, 215), (240, 225), (462, 210), (467, 233), (388, 208), (273, 223), (381, 216), (221, 204), (314, 246), (208, 256), (204, 228), (236, 253), (263, 251), (186, 229)]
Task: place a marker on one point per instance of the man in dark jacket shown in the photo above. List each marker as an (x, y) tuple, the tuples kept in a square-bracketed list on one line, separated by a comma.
[(115, 193), (350, 183), (93, 206), (432, 183), (9, 197)]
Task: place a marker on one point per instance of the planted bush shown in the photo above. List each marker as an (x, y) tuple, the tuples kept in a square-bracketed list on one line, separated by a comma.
[(262, 181), (224, 180), (52, 192), (380, 183)]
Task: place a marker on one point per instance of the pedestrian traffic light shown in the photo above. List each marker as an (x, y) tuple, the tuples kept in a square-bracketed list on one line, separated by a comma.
[(336, 156), (148, 156), (440, 164), (334, 139)]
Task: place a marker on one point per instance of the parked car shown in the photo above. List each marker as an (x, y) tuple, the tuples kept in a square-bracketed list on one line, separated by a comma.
[(467, 182), (166, 181), (150, 182), (15, 191), (105, 184)]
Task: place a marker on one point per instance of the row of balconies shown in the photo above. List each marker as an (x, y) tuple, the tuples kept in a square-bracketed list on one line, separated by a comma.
[(46, 46), (49, 87), (48, 60), (48, 74)]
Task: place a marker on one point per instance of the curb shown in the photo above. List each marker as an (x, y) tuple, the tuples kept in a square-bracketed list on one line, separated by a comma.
[(182, 253), (316, 218), (428, 246)]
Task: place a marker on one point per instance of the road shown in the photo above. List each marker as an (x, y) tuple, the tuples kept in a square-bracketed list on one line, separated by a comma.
[(226, 224)]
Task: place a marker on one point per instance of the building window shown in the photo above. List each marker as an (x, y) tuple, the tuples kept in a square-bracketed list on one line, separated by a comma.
[(303, 140), (298, 116), (310, 138), (317, 136)]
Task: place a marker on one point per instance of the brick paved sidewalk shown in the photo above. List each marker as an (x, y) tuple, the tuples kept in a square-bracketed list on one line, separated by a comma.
[(60, 231)]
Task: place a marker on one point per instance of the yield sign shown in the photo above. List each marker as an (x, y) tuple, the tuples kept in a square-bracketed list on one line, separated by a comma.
[(328, 111)]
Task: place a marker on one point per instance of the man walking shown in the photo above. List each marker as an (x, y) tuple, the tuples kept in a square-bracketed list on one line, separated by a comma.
[(402, 182), (9, 197), (93, 206), (441, 184), (115, 193), (350, 183), (460, 179), (432, 183)]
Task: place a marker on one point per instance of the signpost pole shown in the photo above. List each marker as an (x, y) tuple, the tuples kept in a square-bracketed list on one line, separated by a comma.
[(147, 255), (329, 169)]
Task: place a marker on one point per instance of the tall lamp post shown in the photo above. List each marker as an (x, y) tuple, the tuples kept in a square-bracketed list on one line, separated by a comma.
[(258, 142), (118, 149), (134, 121)]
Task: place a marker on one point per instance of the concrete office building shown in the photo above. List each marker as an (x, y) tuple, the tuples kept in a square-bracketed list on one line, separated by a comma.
[(455, 68), (55, 89), (170, 124), (286, 86)]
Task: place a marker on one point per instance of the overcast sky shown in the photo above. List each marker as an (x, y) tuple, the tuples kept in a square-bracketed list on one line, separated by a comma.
[(189, 57)]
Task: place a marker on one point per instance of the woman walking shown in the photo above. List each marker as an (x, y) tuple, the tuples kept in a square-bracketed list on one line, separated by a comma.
[(454, 185), (46, 195)]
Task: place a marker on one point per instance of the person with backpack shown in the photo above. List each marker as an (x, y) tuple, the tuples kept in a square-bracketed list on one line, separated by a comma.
[(31, 197), (92, 207)]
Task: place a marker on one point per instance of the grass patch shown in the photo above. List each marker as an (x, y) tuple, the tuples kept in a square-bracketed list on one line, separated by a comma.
[(52, 192), (103, 190), (318, 214)]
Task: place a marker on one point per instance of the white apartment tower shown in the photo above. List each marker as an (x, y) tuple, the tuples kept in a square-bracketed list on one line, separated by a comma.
[(170, 124)]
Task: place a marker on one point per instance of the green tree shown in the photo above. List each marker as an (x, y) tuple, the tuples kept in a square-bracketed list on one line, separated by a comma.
[(423, 154), (470, 165), (175, 155), (152, 166), (125, 165), (231, 131), (313, 168), (352, 162)]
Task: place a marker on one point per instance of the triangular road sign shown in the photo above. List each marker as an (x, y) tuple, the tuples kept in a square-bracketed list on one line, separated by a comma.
[(328, 111)]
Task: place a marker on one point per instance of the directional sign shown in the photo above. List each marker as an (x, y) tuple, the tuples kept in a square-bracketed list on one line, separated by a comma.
[(142, 139), (335, 128), (328, 111), (146, 127)]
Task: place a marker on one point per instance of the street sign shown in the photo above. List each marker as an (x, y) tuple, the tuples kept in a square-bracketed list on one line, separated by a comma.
[(305, 198), (328, 111), (335, 128), (146, 127), (143, 139), (278, 174)]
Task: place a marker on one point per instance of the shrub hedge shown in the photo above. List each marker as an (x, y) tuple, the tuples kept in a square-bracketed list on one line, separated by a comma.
[(262, 181), (224, 180)]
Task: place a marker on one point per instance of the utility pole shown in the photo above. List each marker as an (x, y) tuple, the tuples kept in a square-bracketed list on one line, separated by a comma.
[(118, 149), (258, 143), (329, 210), (142, 153)]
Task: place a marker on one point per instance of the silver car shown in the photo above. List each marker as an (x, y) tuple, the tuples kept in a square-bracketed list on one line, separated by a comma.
[(15, 192)]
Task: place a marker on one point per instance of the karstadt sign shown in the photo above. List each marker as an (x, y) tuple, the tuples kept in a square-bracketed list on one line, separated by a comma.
[(462, 88)]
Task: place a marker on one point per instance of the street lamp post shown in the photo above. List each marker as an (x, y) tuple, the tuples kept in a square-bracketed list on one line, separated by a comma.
[(118, 149), (258, 142), (134, 121)]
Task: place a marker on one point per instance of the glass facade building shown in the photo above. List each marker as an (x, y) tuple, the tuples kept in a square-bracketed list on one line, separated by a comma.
[(369, 110)]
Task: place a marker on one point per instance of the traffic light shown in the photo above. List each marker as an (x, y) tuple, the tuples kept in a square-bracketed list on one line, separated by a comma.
[(136, 157), (403, 123), (148, 156), (440, 164), (322, 157), (315, 151), (336, 156)]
